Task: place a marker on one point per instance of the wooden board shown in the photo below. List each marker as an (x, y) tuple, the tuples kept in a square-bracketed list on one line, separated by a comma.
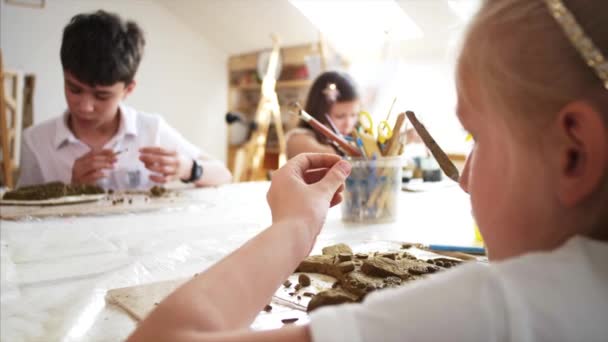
[(112, 204), (67, 200), (140, 300)]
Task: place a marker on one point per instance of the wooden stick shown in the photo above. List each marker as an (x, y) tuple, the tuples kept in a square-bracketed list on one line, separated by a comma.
[(392, 146), (445, 163), (321, 128)]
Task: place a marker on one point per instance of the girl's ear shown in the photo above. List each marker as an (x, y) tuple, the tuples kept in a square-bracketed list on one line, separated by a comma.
[(583, 151)]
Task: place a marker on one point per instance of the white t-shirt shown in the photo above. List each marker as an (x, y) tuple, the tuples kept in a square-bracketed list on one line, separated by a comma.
[(557, 296), (49, 150)]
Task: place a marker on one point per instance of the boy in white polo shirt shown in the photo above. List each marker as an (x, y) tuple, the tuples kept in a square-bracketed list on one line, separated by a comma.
[(100, 140)]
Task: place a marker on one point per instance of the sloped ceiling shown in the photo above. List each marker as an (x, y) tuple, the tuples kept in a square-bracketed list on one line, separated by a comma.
[(238, 26)]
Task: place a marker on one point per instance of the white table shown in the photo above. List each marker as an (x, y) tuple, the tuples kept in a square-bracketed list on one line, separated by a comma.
[(56, 271)]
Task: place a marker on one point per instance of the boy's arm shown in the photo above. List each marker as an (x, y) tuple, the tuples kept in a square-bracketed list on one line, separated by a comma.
[(215, 172), (174, 157)]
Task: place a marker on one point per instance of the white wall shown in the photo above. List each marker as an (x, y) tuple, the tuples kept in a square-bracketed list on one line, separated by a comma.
[(182, 76)]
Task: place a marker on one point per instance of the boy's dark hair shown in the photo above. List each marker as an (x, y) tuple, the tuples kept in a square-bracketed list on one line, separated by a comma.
[(319, 103), (101, 49)]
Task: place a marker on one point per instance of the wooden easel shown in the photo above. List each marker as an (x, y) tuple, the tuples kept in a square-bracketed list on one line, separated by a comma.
[(7, 130), (249, 159)]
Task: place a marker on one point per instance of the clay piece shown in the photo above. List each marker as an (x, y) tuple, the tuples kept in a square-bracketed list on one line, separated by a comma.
[(51, 190), (287, 283), (345, 257), (337, 249), (268, 308), (158, 191), (304, 280), (362, 273), (323, 264), (383, 267), (289, 320), (330, 297)]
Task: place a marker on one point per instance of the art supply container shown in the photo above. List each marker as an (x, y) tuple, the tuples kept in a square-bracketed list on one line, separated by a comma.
[(372, 190)]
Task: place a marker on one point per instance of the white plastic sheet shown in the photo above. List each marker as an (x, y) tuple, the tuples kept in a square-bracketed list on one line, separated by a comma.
[(56, 271)]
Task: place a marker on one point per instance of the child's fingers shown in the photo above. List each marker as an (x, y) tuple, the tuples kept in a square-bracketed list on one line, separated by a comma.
[(313, 176), (159, 159), (309, 161), (164, 169), (92, 177), (159, 179), (158, 151), (95, 166), (336, 199)]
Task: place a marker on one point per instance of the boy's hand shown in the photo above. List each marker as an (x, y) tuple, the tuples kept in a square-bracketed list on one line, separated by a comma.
[(167, 164), (88, 169), (306, 187)]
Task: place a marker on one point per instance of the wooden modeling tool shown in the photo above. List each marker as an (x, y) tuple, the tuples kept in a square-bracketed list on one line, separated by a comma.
[(321, 128), (442, 158), (393, 145)]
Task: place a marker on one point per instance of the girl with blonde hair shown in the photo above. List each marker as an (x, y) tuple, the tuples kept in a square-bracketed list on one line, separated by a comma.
[(533, 91)]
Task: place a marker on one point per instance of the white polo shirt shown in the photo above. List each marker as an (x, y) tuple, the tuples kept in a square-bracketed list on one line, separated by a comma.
[(49, 150)]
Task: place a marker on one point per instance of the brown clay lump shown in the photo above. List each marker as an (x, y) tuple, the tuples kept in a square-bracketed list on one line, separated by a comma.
[(323, 264), (383, 267), (330, 297), (157, 191), (51, 190), (304, 280), (337, 249), (289, 320), (345, 257)]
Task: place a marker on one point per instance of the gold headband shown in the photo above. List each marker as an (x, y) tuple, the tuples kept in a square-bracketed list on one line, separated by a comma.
[(585, 46)]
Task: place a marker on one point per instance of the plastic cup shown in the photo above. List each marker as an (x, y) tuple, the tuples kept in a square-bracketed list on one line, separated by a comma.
[(371, 192)]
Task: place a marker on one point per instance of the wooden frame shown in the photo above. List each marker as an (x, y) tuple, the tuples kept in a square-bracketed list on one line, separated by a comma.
[(10, 122), (27, 3)]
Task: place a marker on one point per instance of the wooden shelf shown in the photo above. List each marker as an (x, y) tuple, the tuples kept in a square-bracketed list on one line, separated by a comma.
[(280, 85)]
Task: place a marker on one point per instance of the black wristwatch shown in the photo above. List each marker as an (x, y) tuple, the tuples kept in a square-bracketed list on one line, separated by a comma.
[(196, 173)]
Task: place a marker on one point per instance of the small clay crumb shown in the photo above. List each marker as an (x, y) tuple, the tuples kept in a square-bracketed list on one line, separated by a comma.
[(268, 308), (345, 257), (287, 283), (111, 191), (297, 287), (299, 297), (391, 256), (289, 320), (308, 294), (406, 246), (130, 201), (304, 280), (155, 303), (292, 293)]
